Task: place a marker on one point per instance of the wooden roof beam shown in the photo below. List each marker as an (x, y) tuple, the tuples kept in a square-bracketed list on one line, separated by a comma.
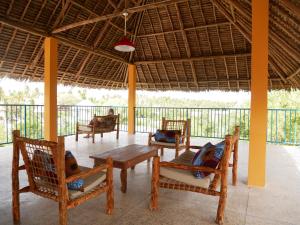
[(185, 29), (103, 30), (204, 81), (245, 33), (291, 6), (192, 58), (113, 15), (297, 72), (59, 71), (186, 43), (72, 43)]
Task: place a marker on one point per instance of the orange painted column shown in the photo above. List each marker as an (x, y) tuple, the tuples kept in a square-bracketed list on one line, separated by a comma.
[(259, 94), (131, 97), (50, 79)]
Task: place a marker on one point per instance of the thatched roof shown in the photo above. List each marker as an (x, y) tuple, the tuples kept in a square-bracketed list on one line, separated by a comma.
[(180, 44)]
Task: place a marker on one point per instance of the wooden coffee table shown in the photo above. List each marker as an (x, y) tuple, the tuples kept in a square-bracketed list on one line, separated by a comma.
[(126, 157)]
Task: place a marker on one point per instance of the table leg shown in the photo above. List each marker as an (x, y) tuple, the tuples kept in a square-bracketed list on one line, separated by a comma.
[(123, 176)]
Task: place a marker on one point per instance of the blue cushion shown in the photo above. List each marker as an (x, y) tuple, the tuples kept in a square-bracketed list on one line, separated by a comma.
[(167, 136), (72, 168), (219, 151), (197, 160), (76, 184), (209, 155)]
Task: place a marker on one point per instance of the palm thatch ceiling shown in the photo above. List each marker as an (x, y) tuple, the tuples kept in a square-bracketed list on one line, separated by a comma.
[(180, 44)]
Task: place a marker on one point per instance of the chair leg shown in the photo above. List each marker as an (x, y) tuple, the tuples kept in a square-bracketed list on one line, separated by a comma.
[(76, 136), (221, 208), (176, 152), (93, 136), (162, 151), (63, 213), (110, 190), (101, 135), (16, 204), (117, 134), (234, 168), (154, 184), (15, 180)]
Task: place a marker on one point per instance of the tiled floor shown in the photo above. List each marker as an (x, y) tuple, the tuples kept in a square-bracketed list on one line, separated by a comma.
[(278, 203)]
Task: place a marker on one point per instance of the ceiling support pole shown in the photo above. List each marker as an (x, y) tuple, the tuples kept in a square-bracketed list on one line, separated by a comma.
[(50, 93), (259, 94), (131, 97)]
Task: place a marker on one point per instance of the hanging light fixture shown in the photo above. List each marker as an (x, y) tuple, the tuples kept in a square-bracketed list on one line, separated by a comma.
[(124, 45)]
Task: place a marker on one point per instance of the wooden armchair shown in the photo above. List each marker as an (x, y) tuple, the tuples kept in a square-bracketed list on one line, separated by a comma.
[(181, 141), (44, 162), (100, 125), (177, 174)]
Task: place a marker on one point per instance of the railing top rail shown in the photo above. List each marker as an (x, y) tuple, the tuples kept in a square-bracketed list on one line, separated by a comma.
[(160, 107), (102, 106)]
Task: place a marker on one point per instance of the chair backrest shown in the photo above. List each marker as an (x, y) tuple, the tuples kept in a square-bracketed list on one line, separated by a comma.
[(231, 145), (183, 125), (44, 163), (107, 122)]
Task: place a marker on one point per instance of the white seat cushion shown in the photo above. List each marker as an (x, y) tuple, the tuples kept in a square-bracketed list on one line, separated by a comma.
[(166, 144), (185, 176), (90, 183)]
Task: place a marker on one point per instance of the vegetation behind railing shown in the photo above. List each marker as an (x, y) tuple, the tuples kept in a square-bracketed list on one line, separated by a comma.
[(283, 124), (29, 119)]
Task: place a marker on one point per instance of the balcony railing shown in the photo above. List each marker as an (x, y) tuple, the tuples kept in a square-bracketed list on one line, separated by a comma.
[(283, 124)]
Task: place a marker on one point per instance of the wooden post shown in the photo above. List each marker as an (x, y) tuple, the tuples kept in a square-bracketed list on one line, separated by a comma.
[(131, 97), (155, 184), (50, 79), (259, 93), (15, 178), (110, 188), (223, 188), (235, 157), (62, 187)]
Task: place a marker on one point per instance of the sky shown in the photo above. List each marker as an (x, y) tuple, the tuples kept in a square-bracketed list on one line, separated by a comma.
[(8, 84)]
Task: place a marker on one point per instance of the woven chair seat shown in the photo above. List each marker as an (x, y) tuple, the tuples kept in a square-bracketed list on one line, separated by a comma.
[(170, 145), (104, 129), (90, 183), (85, 128), (184, 176)]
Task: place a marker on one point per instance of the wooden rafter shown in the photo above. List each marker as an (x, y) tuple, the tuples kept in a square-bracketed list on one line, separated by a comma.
[(113, 15), (246, 34), (73, 43), (186, 43), (185, 29), (297, 72), (208, 57)]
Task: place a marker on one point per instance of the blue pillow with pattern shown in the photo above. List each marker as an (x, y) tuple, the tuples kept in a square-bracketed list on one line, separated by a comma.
[(72, 168), (209, 156), (167, 136)]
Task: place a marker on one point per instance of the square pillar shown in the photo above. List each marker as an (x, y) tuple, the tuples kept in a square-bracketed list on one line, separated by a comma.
[(50, 95), (131, 97), (259, 94)]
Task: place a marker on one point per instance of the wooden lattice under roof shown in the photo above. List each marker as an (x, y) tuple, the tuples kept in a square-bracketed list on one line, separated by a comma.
[(180, 44)]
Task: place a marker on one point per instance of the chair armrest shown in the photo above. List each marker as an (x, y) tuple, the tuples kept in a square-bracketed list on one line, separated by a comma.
[(191, 168), (86, 173), (84, 125), (151, 134), (195, 147)]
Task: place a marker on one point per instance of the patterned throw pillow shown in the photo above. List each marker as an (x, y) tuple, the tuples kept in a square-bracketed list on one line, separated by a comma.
[(209, 156), (167, 136), (44, 166), (72, 168)]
